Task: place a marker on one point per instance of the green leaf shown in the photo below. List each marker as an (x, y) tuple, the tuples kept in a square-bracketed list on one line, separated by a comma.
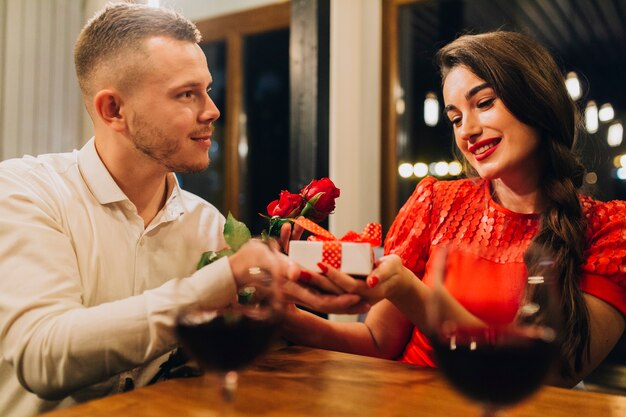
[(210, 257), (310, 205), (275, 225), (236, 233)]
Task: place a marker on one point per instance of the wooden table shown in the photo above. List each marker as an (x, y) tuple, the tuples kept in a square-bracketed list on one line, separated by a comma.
[(298, 381)]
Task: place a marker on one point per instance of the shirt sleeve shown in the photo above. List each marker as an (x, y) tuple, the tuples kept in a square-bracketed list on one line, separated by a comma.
[(604, 268), (54, 343), (409, 235)]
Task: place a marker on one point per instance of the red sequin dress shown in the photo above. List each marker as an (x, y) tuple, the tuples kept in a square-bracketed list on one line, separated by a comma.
[(463, 212)]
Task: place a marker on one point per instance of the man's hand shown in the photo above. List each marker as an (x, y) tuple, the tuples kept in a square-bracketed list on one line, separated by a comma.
[(311, 290), (313, 293)]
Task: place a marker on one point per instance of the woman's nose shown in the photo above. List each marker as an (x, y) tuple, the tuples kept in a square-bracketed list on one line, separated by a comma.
[(470, 128)]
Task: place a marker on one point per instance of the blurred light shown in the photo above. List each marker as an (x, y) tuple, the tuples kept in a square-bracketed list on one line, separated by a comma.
[(420, 169), (621, 173), (441, 169), (431, 109), (431, 168), (455, 168), (591, 117), (622, 160), (591, 178), (615, 135), (400, 106), (606, 112), (403, 138), (405, 170), (398, 91), (573, 85), (243, 148)]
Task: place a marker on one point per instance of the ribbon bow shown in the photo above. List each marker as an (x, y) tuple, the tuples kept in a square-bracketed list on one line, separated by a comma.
[(331, 246)]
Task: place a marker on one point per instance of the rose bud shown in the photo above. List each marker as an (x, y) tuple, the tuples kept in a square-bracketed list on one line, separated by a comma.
[(320, 196), (287, 205)]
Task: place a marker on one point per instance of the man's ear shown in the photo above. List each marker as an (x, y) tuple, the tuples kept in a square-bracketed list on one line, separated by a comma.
[(107, 105)]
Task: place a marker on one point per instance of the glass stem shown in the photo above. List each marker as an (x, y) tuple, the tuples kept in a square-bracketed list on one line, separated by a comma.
[(229, 386), (491, 411)]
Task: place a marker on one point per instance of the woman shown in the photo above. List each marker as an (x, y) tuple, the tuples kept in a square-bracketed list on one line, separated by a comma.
[(515, 126)]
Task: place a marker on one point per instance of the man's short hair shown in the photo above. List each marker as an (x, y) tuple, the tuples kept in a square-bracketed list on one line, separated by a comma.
[(120, 29)]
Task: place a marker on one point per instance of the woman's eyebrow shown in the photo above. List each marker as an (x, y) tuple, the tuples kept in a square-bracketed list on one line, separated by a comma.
[(474, 90), (471, 93)]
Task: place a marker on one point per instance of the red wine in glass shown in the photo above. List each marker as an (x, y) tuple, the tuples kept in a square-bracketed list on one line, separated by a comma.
[(493, 326), (495, 366), (227, 339)]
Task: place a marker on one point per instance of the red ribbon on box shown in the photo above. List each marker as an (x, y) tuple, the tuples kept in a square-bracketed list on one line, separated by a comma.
[(331, 246)]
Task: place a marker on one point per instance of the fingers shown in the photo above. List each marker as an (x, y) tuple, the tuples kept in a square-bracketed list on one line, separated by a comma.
[(273, 244), (315, 280), (372, 280), (326, 303), (289, 232), (389, 279), (285, 236), (342, 280), (262, 254), (296, 234)]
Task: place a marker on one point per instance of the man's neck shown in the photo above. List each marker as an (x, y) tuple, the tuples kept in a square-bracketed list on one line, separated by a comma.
[(148, 196), (144, 183)]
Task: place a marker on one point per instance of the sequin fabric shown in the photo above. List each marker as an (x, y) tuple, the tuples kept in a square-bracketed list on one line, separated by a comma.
[(463, 212)]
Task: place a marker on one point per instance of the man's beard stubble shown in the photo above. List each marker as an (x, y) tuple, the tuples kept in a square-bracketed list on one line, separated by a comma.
[(155, 145)]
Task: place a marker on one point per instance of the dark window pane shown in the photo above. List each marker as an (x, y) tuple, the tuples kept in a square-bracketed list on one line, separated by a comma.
[(264, 142)]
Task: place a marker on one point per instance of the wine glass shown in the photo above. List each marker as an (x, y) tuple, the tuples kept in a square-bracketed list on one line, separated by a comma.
[(226, 340), (493, 326)]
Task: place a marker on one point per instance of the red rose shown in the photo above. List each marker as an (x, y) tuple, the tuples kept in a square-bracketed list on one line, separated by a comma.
[(320, 196), (287, 205)]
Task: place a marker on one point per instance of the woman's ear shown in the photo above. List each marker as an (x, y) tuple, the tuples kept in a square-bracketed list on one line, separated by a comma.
[(107, 105)]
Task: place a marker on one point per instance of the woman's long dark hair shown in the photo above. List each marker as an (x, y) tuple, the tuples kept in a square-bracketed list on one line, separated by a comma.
[(526, 78)]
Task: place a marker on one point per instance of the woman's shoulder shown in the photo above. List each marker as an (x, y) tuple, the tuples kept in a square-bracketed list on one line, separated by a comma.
[(600, 213)]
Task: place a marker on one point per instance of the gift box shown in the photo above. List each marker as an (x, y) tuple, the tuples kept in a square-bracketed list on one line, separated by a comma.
[(352, 254), (354, 258)]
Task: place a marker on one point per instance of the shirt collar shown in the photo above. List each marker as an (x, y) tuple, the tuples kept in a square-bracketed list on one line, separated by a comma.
[(97, 177), (105, 189), (174, 205)]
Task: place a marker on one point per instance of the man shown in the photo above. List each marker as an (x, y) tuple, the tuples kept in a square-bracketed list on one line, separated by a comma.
[(99, 246)]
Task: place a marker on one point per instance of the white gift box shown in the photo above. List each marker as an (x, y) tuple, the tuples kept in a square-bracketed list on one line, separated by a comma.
[(356, 258)]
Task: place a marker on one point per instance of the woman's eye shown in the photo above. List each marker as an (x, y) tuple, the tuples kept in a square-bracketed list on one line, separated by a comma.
[(455, 121), (486, 103)]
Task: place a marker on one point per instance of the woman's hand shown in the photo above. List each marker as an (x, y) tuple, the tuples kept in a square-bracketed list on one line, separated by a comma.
[(388, 279)]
